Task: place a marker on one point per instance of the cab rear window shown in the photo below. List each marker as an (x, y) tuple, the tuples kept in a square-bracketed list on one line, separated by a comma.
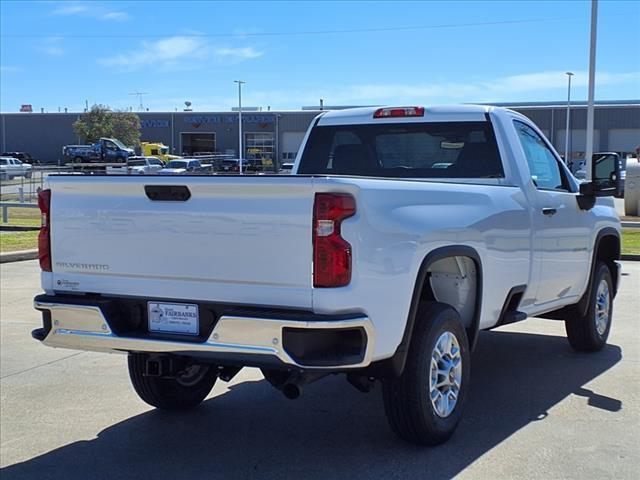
[(407, 150)]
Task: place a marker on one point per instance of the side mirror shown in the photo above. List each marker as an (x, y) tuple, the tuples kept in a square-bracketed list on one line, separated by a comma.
[(605, 174), (605, 180)]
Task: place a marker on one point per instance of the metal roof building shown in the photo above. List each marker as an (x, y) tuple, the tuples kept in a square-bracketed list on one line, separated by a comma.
[(278, 134)]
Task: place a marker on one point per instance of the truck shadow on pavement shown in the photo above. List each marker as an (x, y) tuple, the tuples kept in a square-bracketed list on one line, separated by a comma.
[(333, 431)]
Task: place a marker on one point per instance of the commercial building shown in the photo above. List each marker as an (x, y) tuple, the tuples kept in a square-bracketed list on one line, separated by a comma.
[(278, 134)]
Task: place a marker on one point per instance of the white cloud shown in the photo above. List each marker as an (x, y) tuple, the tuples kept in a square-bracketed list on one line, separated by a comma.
[(52, 46), (92, 10), (556, 80), (177, 52), (238, 54), (70, 9), (513, 87), (116, 16), (522, 87)]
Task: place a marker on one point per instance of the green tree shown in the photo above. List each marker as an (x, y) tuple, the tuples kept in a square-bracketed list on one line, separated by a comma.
[(101, 121)]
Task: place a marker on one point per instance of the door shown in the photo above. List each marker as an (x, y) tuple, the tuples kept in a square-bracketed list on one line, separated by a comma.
[(561, 231)]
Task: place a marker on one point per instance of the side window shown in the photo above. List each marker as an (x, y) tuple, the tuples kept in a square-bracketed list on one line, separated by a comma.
[(543, 165)]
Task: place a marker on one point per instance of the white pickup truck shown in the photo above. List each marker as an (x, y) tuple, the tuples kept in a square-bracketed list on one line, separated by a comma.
[(401, 233)]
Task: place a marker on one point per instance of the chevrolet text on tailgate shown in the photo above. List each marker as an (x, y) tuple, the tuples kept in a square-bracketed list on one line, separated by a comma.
[(401, 234)]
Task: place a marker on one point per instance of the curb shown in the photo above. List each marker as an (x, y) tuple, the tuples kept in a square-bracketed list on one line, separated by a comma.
[(18, 256), (630, 256), (630, 224)]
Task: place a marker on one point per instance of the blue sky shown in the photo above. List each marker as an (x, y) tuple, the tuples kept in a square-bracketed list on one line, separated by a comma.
[(59, 54)]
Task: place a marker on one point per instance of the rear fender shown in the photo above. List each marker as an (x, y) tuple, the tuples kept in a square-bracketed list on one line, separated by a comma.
[(394, 366)]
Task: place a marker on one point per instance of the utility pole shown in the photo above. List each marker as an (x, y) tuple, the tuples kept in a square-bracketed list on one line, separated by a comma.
[(139, 95), (567, 154), (240, 83), (592, 80)]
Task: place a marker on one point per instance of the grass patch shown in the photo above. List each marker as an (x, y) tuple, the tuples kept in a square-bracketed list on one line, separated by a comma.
[(631, 240), (14, 241), (24, 217)]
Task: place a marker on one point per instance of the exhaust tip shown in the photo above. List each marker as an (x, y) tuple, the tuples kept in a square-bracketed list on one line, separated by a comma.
[(291, 391)]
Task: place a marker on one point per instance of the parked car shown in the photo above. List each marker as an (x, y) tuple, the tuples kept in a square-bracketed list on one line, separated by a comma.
[(137, 166), (286, 168), (12, 167), (368, 261), (24, 157), (184, 166), (229, 165)]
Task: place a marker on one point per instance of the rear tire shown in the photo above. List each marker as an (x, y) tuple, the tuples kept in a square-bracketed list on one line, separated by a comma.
[(425, 403), (183, 392), (589, 333)]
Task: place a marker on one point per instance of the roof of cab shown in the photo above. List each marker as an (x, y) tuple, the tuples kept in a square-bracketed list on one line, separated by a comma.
[(436, 113)]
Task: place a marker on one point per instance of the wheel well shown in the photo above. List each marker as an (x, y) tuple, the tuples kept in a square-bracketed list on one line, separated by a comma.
[(454, 280), (608, 252), (444, 262)]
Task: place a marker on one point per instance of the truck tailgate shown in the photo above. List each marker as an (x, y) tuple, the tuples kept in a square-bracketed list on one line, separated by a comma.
[(244, 240)]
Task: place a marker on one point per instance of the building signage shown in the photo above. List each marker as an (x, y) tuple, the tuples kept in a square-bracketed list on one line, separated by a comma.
[(154, 123), (197, 121)]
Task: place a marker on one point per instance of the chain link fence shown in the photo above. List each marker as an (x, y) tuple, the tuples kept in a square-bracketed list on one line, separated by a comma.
[(25, 189)]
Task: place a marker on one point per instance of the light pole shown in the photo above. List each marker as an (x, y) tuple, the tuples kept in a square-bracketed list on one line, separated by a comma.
[(592, 81), (239, 82), (567, 155)]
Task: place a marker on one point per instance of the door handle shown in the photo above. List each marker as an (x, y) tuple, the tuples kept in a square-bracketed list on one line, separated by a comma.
[(549, 212)]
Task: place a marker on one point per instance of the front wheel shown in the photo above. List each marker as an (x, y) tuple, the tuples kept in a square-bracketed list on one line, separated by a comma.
[(425, 403), (187, 389), (589, 333), (27, 175)]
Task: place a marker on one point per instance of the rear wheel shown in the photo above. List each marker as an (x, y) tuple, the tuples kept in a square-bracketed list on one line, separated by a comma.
[(589, 333), (187, 389), (425, 404), (77, 160)]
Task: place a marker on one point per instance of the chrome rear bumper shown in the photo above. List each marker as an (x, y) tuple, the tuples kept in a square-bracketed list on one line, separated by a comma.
[(84, 327)]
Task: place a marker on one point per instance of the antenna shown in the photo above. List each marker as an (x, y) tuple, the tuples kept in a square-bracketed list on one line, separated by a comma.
[(139, 95)]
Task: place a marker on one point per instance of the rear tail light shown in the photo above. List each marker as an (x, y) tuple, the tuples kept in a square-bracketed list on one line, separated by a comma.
[(331, 252), (399, 112), (44, 237)]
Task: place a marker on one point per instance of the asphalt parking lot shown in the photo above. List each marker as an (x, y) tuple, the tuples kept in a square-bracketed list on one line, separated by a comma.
[(536, 410)]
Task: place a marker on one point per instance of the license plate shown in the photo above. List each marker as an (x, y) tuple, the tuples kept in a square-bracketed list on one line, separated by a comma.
[(173, 318)]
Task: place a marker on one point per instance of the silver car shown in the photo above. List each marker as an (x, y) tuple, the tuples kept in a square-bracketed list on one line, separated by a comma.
[(12, 167)]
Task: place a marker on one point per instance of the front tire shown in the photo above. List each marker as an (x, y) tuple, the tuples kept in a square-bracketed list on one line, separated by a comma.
[(589, 333), (424, 405), (186, 390)]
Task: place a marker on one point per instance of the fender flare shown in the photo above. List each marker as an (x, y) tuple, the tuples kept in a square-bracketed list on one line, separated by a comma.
[(583, 303), (394, 366)]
